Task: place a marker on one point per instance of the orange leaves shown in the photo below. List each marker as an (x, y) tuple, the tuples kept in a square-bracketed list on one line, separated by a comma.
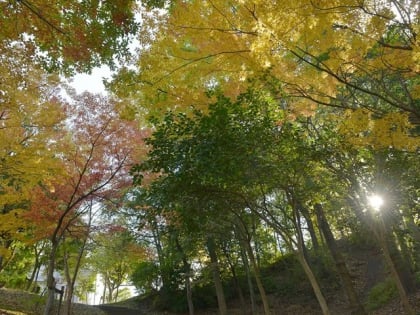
[(95, 158)]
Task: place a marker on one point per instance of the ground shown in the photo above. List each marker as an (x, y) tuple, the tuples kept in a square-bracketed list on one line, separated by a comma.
[(366, 267)]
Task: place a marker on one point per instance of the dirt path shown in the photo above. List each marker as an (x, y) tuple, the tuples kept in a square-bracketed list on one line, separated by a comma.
[(118, 310)]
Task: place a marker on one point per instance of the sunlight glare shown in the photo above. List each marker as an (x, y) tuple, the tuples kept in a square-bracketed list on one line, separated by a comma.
[(376, 202)]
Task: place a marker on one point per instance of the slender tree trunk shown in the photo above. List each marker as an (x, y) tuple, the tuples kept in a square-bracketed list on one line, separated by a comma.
[(161, 256), (71, 284), (34, 273), (69, 290), (50, 278), (189, 290), (257, 247), (187, 271), (36, 288), (104, 291), (314, 283), (211, 246), (235, 281), (308, 271), (394, 272), (249, 279), (415, 234), (305, 213), (110, 287), (245, 238), (355, 305), (71, 280), (401, 262), (257, 276)]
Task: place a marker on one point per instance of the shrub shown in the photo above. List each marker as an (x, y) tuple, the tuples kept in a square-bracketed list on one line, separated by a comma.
[(381, 294)]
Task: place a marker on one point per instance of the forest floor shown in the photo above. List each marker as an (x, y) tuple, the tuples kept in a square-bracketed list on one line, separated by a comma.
[(365, 266)]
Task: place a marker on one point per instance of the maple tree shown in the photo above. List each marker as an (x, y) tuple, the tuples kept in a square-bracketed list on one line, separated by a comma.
[(344, 53), (30, 121), (70, 35), (95, 160)]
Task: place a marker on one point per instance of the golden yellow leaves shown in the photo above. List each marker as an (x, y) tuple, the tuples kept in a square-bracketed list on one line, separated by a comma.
[(393, 130)]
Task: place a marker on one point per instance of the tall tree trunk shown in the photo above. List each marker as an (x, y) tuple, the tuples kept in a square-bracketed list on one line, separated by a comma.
[(257, 247), (355, 305), (71, 279), (105, 288), (249, 279), (414, 231), (305, 213), (50, 277), (235, 280), (187, 271), (245, 238), (257, 276), (34, 272), (301, 254), (36, 288), (403, 260), (393, 269), (314, 283), (211, 246), (161, 257)]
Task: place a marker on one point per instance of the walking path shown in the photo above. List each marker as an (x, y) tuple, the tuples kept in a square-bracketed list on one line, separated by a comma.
[(118, 310)]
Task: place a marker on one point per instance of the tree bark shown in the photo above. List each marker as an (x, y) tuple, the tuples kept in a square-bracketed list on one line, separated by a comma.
[(301, 254), (249, 279), (314, 283), (355, 305), (394, 272), (245, 239), (211, 246), (187, 271), (50, 278), (235, 280), (305, 213), (257, 276)]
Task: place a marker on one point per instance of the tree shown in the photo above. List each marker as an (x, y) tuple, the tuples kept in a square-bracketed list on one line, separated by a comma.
[(348, 54), (95, 159), (235, 157), (31, 118), (371, 168), (114, 259)]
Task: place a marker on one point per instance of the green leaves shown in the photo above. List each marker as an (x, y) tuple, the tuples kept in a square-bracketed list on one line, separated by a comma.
[(68, 36)]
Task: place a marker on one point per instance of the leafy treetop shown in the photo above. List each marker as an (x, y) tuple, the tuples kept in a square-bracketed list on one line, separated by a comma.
[(70, 35), (335, 53)]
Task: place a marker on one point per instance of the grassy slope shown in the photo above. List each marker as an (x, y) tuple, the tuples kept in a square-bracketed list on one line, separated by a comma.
[(31, 304), (288, 295)]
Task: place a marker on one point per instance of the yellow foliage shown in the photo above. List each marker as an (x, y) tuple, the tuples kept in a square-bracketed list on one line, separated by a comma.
[(312, 47), (30, 121), (392, 130)]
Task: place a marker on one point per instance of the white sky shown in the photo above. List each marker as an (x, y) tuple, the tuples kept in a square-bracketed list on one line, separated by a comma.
[(91, 82)]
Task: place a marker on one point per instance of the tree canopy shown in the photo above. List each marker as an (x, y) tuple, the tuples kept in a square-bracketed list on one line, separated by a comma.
[(234, 157)]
